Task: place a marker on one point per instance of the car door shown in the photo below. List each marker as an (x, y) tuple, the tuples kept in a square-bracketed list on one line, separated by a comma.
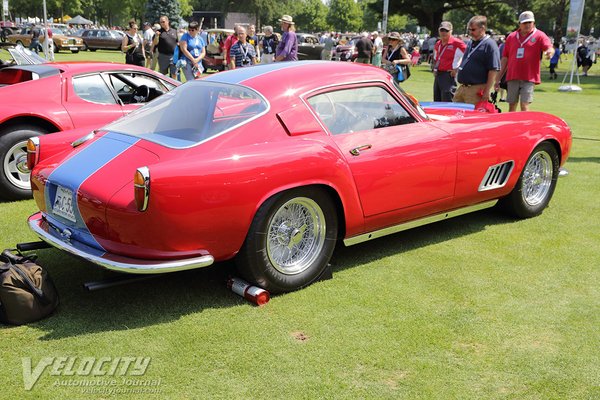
[(90, 101), (397, 162)]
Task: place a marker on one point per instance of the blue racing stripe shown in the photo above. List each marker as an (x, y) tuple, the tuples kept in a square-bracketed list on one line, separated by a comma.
[(74, 171), (239, 75)]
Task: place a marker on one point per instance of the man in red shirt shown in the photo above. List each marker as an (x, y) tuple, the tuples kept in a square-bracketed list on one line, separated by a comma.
[(230, 41), (447, 55), (521, 61)]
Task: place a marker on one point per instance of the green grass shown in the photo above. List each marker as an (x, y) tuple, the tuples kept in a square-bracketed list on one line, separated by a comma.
[(481, 306)]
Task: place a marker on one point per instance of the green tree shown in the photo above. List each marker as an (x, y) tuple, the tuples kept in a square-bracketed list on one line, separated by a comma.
[(429, 13), (170, 8), (344, 15), (311, 16)]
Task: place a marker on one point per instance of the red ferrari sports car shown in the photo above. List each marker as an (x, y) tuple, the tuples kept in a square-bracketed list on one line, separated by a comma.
[(271, 165), (45, 98)]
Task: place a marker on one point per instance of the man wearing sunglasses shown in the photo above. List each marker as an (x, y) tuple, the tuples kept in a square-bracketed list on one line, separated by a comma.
[(479, 66), (447, 56), (521, 61)]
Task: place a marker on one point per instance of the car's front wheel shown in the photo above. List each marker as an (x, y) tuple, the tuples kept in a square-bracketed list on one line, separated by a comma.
[(536, 185), (14, 175), (290, 241)]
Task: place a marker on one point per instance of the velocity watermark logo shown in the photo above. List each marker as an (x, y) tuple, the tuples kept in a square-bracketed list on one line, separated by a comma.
[(89, 372)]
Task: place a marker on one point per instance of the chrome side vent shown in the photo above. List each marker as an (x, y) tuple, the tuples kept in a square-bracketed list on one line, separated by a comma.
[(496, 176)]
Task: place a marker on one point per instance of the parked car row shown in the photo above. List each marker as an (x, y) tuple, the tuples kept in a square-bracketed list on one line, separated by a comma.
[(60, 40)]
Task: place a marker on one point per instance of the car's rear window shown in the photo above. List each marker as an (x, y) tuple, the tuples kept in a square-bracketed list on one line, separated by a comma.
[(193, 113)]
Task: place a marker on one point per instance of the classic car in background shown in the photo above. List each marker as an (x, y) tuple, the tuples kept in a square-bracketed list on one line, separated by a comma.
[(346, 49), (215, 49), (232, 166), (46, 98), (59, 38), (101, 39), (309, 47), (11, 54)]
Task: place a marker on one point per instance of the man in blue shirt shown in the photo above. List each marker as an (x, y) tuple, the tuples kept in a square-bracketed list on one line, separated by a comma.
[(480, 64), (242, 53)]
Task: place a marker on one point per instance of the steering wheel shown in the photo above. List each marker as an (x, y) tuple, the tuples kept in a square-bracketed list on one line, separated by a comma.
[(141, 94)]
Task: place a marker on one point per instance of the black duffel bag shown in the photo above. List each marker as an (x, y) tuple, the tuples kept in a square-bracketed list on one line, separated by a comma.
[(27, 292)]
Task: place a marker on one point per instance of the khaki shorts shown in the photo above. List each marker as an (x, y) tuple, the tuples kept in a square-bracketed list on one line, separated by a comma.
[(468, 94), (522, 89)]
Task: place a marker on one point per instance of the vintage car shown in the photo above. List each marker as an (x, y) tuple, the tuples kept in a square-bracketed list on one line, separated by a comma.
[(59, 38), (235, 167), (346, 49), (11, 55), (309, 47), (215, 49), (101, 39), (46, 98)]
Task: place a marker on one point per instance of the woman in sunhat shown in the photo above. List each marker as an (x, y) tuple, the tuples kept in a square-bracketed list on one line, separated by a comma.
[(287, 49)]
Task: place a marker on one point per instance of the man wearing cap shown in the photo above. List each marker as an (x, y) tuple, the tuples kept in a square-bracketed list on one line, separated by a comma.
[(148, 35), (447, 55), (377, 49), (479, 66), (287, 49), (521, 61)]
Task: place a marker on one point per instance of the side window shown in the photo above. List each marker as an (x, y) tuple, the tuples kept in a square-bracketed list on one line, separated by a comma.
[(126, 84), (93, 89), (353, 110)]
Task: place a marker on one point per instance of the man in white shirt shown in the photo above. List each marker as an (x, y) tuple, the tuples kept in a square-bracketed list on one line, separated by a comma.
[(377, 49), (148, 37)]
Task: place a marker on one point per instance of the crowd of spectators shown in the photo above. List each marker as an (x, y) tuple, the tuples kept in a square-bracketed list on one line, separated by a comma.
[(466, 67)]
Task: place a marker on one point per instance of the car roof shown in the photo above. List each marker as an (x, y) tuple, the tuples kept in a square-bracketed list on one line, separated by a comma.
[(301, 76)]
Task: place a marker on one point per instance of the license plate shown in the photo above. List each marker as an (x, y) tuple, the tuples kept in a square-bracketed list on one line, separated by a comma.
[(63, 203), (73, 48)]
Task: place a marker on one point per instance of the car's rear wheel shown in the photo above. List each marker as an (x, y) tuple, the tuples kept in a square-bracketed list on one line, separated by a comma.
[(536, 185), (14, 176), (290, 241), (75, 51)]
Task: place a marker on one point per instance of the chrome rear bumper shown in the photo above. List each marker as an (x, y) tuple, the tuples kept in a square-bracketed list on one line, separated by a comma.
[(52, 236)]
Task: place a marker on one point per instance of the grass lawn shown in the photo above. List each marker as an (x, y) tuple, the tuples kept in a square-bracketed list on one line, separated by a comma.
[(481, 306)]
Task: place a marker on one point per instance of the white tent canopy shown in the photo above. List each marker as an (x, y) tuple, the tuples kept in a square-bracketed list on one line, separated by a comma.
[(79, 20)]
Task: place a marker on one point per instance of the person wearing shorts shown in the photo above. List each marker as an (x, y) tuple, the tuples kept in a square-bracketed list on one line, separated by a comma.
[(521, 61), (519, 89)]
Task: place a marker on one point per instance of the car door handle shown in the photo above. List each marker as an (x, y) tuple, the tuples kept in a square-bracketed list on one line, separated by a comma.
[(356, 151)]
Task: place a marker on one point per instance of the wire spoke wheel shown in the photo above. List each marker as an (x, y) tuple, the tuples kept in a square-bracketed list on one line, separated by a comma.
[(296, 235), (537, 178)]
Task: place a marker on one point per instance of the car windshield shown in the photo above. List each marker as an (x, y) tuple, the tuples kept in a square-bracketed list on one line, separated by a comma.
[(193, 113), (20, 56)]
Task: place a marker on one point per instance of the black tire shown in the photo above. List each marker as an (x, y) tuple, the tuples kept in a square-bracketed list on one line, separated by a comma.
[(536, 185), (92, 50), (14, 180), (75, 51), (290, 241), (84, 48)]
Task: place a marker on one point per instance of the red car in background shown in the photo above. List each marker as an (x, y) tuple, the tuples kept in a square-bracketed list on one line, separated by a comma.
[(234, 166), (45, 98)]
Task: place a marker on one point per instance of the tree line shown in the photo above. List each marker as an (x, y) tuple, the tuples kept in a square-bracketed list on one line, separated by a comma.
[(337, 15)]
